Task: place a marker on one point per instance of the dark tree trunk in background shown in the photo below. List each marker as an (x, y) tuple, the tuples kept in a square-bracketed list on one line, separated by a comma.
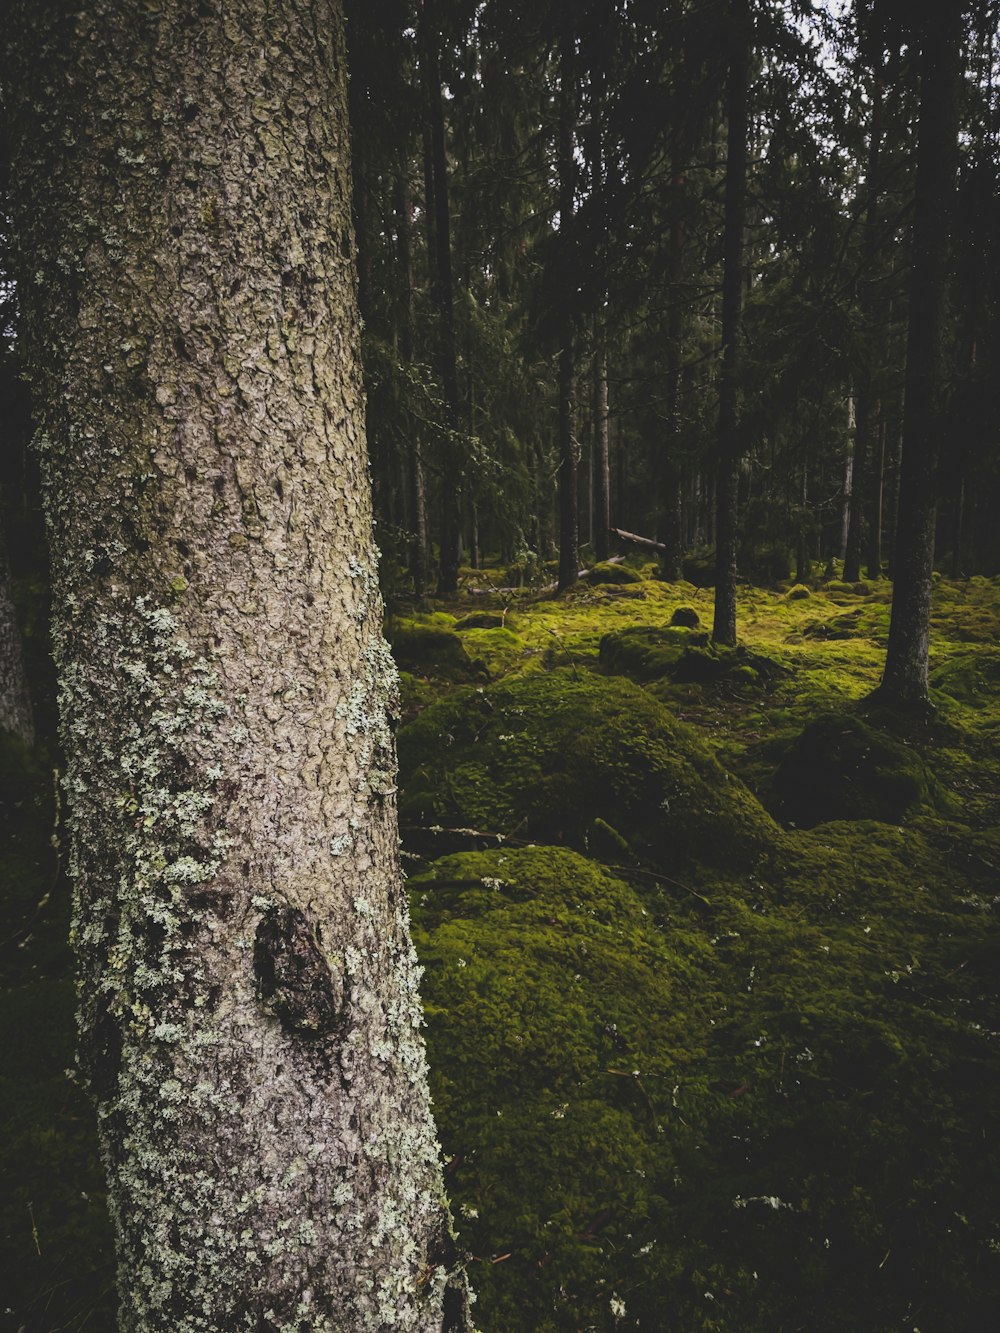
[(904, 682), (442, 293), (672, 507), (249, 1018), (866, 417), (730, 443), (601, 454), (416, 485), (569, 538)]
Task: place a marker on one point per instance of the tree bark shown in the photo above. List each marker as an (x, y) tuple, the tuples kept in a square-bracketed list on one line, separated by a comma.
[(866, 415), (904, 681), (601, 452), (672, 494), (16, 714), (569, 538), (416, 485), (442, 291), (249, 1013), (730, 444)]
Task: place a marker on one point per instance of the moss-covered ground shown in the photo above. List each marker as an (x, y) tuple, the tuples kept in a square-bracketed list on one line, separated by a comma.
[(711, 955)]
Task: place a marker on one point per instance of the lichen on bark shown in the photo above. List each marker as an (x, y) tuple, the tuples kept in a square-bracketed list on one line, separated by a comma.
[(248, 990)]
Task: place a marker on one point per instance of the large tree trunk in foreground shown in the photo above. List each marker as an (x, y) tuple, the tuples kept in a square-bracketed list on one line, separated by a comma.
[(249, 1022), (904, 681)]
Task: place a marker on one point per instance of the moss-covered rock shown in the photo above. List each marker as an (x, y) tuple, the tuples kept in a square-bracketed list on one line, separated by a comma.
[(484, 620), (606, 572), (686, 616), (646, 1097), (647, 652), (429, 650), (841, 768), (798, 593), (969, 678), (543, 756)]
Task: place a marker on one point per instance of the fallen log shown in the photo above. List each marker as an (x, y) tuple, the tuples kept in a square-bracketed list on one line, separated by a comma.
[(646, 542)]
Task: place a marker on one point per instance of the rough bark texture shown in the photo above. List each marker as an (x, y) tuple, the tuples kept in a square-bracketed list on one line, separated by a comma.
[(15, 703), (248, 991), (904, 681), (727, 481)]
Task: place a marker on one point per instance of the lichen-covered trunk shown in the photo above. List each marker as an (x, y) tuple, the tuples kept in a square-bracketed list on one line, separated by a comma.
[(249, 1011)]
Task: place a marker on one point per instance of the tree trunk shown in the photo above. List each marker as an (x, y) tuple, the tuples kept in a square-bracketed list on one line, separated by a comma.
[(569, 539), (442, 285), (249, 1014), (866, 416), (877, 481), (15, 702), (601, 453), (904, 681), (730, 444), (672, 480), (416, 485)]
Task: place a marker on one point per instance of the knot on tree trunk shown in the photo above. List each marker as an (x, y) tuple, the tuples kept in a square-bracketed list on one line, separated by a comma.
[(294, 976)]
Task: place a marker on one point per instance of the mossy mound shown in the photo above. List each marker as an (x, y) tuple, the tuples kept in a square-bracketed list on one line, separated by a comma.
[(548, 988), (841, 768), (606, 572), (427, 650), (484, 620), (686, 616), (969, 678), (798, 593), (647, 652), (652, 652), (646, 1097), (543, 756)]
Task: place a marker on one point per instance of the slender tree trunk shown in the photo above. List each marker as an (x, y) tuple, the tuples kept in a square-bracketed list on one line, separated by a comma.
[(249, 1014), (877, 480), (672, 495), (600, 453), (904, 682), (439, 241), (416, 485), (866, 416), (847, 506), (569, 540), (730, 443)]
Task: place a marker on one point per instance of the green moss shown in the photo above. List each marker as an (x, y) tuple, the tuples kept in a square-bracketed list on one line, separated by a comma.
[(841, 768), (687, 616), (543, 756), (427, 650), (798, 593), (612, 573)]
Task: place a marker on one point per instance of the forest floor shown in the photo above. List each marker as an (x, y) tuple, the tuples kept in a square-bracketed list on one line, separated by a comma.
[(711, 954)]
